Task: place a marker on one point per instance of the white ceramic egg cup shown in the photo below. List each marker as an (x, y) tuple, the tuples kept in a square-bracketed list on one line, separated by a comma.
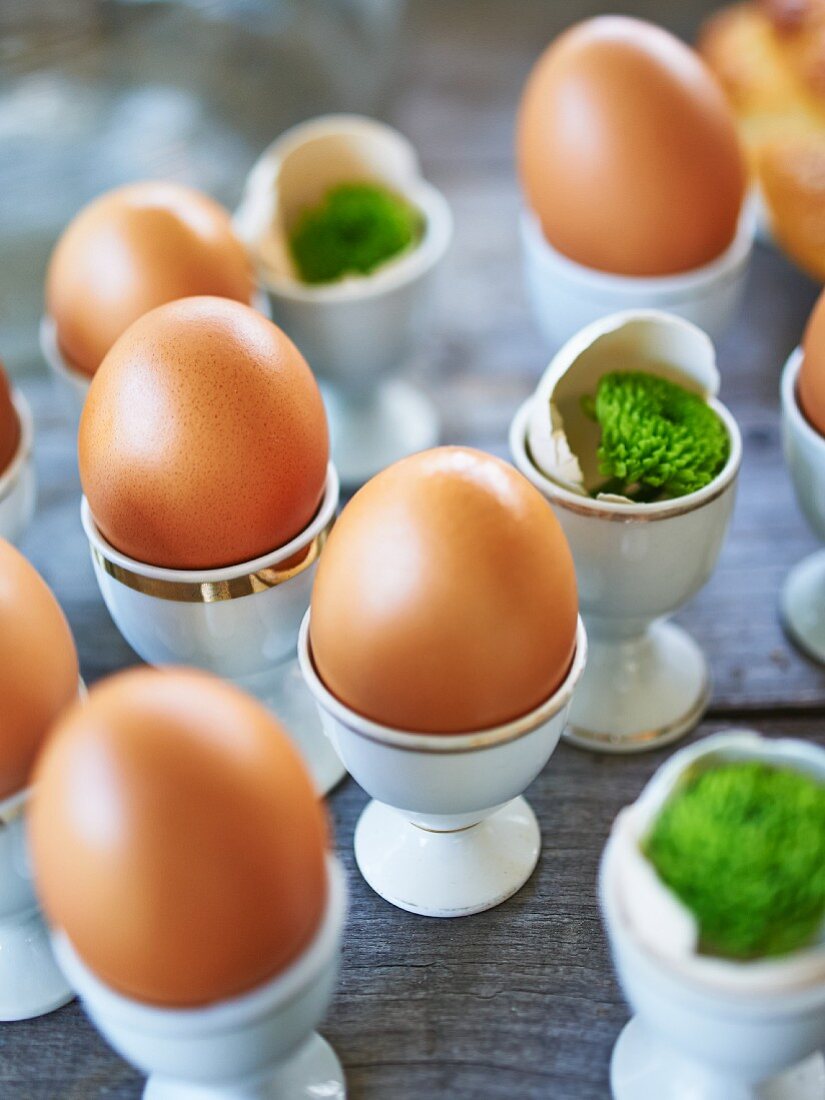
[(646, 682), (803, 595), (71, 382), (240, 622), (707, 1028), (565, 296), (31, 983), (258, 1046), (18, 482), (357, 332), (447, 833)]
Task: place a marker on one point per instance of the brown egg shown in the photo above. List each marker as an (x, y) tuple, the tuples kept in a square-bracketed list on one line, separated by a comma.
[(811, 380), (627, 150), (38, 667), (177, 838), (445, 599), (135, 248), (9, 423), (203, 441)]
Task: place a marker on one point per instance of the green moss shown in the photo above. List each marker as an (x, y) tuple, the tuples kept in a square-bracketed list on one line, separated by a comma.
[(658, 440), (356, 227), (743, 846)]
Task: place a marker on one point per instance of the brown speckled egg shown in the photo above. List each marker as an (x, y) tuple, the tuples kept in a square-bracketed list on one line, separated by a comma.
[(203, 441), (177, 838), (445, 599), (628, 152), (135, 248), (9, 423), (811, 379), (38, 667)]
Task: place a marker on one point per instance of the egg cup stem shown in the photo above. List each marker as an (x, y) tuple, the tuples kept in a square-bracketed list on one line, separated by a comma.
[(31, 984), (803, 605), (373, 426), (313, 1070), (444, 871), (283, 691), (644, 1067), (639, 690)]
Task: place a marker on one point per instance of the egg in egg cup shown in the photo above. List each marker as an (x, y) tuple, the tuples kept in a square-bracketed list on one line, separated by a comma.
[(647, 682), (358, 330), (32, 630), (18, 481), (241, 622), (448, 832), (803, 595), (706, 1026), (634, 181)]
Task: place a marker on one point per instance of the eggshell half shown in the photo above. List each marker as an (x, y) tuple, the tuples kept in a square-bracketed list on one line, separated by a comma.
[(445, 599), (811, 382), (203, 441), (9, 423), (38, 667), (135, 248), (177, 838), (628, 152), (563, 441)]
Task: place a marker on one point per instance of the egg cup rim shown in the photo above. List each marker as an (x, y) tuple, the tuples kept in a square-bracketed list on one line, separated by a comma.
[(272, 994), (676, 285), (25, 446), (388, 276), (617, 511), (442, 743), (790, 400), (707, 972), (321, 520)]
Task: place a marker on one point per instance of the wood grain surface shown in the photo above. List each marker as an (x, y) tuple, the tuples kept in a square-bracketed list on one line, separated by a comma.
[(520, 1001)]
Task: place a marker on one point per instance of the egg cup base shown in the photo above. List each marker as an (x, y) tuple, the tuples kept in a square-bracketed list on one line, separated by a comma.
[(283, 691), (374, 427), (644, 1068), (638, 693), (803, 606), (18, 481), (447, 873), (31, 983), (313, 1071)]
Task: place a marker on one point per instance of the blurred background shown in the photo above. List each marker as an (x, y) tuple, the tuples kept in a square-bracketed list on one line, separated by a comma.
[(97, 92)]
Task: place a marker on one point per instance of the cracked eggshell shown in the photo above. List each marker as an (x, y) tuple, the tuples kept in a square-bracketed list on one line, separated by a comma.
[(299, 168), (562, 440), (657, 917)]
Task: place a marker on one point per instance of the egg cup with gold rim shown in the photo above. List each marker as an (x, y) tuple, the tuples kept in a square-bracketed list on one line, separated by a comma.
[(709, 1028), (565, 296), (18, 482), (803, 594), (646, 682), (447, 833), (358, 331), (240, 622), (31, 983), (255, 1046)]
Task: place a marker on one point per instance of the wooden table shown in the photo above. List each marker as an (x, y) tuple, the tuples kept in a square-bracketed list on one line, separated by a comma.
[(520, 1001)]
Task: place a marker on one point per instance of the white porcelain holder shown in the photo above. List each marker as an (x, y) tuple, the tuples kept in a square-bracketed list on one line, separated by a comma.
[(565, 296), (261, 1045), (447, 833), (803, 594), (18, 482), (239, 622), (72, 383), (31, 984), (359, 331), (707, 1028), (646, 682)]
